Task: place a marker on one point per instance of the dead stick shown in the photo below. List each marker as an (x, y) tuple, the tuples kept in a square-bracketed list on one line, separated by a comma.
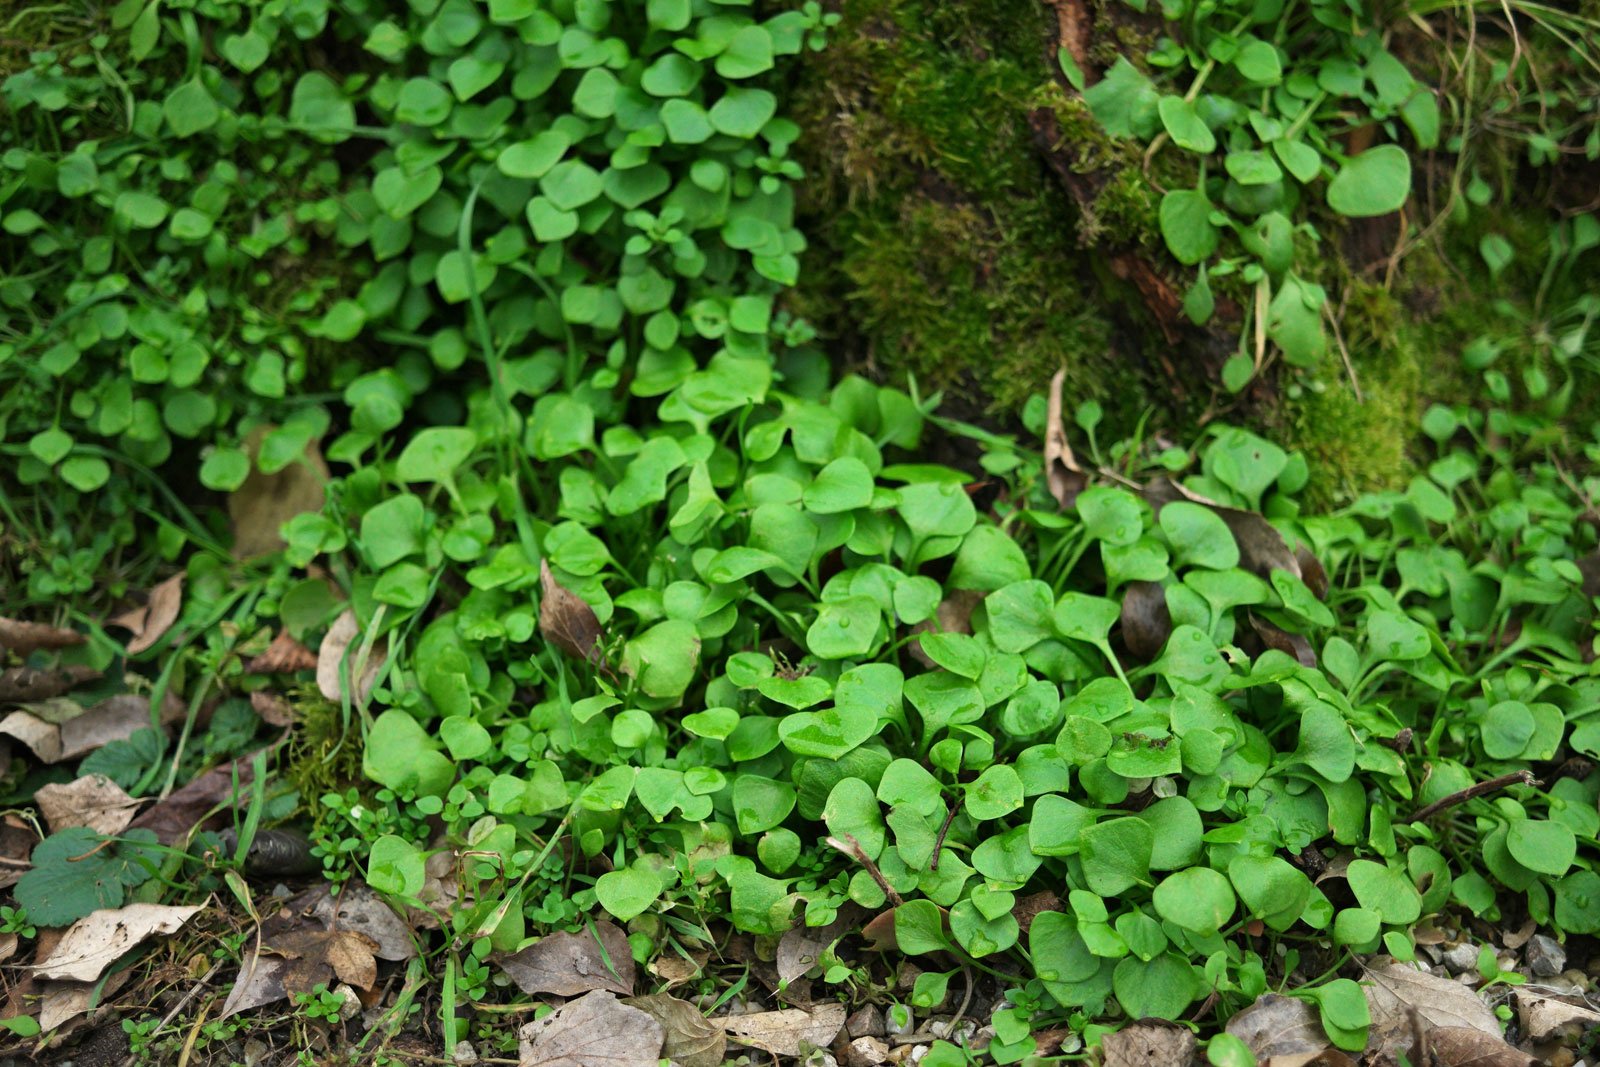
[(852, 848), (938, 842), (1478, 790)]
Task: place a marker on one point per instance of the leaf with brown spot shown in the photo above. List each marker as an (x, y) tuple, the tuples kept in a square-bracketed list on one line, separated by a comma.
[(26, 638), (166, 600), (1466, 1046), (1062, 473), (261, 505), (1148, 1044), (284, 656), (789, 1032), (566, 620), (596, 1030), (1146, 622), (94, 801), (316, 957), (21, 685), (692, 1040), (336, 658), (1293, 644), (1276, 1026), (571, 964)]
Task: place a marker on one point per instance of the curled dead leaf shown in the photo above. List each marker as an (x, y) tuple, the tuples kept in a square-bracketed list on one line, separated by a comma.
[(316, 957), (1293, 644), (788, 1032), (566, 620), (801, 946), (98, 940), (93, 801), (1545, 1018), (337, 661), (1146, 622), (21, 685), (284, 656), (571, 964), (25, 638), (1312, 572), (692, 1040), (273, 708), (675, 970), (596, 1030), (1394, 990), (1148, 1043), (161, 611), (1062, 473)]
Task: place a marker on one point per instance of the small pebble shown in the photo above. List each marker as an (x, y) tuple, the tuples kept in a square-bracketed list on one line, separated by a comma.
[(1546, 956), (866, 1022), (865, 1052), (904, 1024), (465, 1054), (1461, 958)]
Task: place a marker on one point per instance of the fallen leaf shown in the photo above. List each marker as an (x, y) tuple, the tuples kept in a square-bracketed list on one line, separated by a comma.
[(692, 1040), (1328, 1057), (1062, 473), (359, 909), (26, 638), (261, 506), (800, 946), (1467, 1046), (17, 840), (1284, 641), (43, 738), (114, 719), (284, 656), (953, 616), (20, 685), (1544, 1017), (1148, 1044), (1279, 1026), (166, 600), (316, 957), (596, 1030), (1146, 622), (1394, 989), (789, 1032), (61, 1002), (675, 970), (1262, 548), (1515, 939), (98, 940), (94, 801), (260, 983), (174, 817), (8, 946), (566, 620), (1312, 572), (273, 708), (571, 964), (336, 659)]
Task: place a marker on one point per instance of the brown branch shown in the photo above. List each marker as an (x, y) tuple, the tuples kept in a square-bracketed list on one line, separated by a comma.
[(852, 848), (1461, 796), (938, 842)]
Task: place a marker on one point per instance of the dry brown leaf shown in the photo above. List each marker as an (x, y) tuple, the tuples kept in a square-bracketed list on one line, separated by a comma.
[(61, 1002), (953, 616), (265, 502), (1328, 1057), (284, 656), (566, 620), (114, 719), (26, 638), (98, 940), (1146, 622), (1394, 989), (317, 957), (1284, 641), (173, 817), (43, 738), (571, 964), (166, 600), (1544, 1017), (675, 970), (336, 660), (17, 840), (692, 1040), (1466, 1046), (1276, 1026), (1062, 473), (1148, 1044), (94, 801), (1262, 548), (260, 983), (273, 708), (800, 946), (1312, 572), (8, 946), (596, 1030), (21, 685), (359, 909), (789, 1032)]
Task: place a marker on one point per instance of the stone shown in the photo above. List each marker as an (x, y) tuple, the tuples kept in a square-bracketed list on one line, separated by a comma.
[(865, 1022), (1461, 958), (865, 1052), (1546, 956)]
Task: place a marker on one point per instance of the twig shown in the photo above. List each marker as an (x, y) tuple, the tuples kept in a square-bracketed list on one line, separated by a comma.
[(177, 1008), (1462, 795), (1344, 354), (966, 1000), (852, 848), (938, 842)]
